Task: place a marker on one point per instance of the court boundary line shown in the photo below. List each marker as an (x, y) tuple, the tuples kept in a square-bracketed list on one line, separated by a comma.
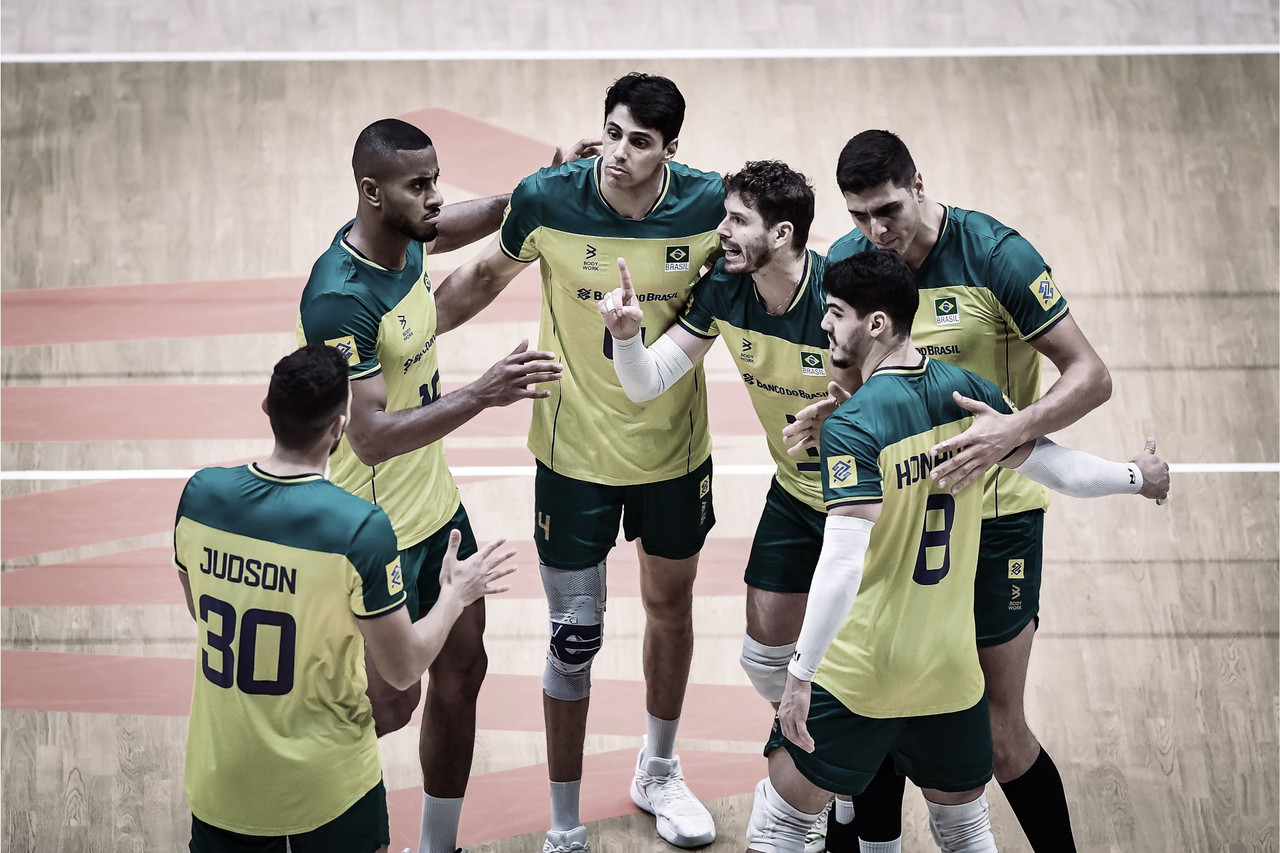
[(528, 471), (991, 51)]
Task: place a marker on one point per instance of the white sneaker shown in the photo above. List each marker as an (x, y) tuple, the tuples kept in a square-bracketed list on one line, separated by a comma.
[(815, 840), (567, 841), (658, 787)]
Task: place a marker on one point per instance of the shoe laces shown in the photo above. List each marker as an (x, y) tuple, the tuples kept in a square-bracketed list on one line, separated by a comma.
[(673, 790)]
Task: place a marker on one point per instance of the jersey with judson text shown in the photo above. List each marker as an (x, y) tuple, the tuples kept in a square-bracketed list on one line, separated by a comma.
[(908, 646), (281, 739), (384, 322), (985, 294), (783, 359), (588, 429)]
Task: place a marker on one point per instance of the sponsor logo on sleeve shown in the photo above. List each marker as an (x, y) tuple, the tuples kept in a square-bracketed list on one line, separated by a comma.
[(812, 364), (346, 346), (946, 311), (1017, 569), (677, 259), (842, 471), (1045, 291), (395, 579)]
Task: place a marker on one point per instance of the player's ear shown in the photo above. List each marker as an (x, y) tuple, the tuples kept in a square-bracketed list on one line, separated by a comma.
[(369, 192), (670, 150), (265, 410), (917, 184), (782, 233)]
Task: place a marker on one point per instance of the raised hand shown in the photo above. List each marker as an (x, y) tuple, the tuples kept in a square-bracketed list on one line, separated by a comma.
[(509, 379), (990, 438), (620, 309), (582, 148), (1155, 473), (806, 429), (471, 578)]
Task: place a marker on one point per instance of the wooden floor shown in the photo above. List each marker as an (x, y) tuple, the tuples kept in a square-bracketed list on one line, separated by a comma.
[(159, 218)]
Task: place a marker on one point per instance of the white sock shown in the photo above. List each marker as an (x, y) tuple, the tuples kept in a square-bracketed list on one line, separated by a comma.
[(844, 811), (662, 737), (440, 816), (564, 805), (894, 846)]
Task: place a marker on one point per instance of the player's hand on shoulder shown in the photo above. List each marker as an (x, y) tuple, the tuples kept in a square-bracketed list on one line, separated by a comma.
[(510, 378), (1155, 473), (620, 309), (990, 438), (580, 149), (473, 577), (805, 431)]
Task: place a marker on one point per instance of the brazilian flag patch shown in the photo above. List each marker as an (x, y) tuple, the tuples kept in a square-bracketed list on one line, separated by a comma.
[(677, 259), (812, 364)]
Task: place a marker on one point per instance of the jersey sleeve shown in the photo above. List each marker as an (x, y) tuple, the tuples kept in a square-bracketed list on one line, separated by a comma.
[(343, 321), (846, 247), (376, 558), (850, 462), (518, 236), (699, 315), (179, 559), (1023, 283)]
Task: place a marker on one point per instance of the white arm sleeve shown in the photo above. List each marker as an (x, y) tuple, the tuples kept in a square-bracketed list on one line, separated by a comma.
[(835, 584), (1079, 474), (645, 372)]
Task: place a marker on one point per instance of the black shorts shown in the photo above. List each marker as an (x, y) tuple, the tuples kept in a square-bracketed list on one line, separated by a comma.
[(1006, 590), (576, 522), (360, 829), (787, 543), (421, 563)]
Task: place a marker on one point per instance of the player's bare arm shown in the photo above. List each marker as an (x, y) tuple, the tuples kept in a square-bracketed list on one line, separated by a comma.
[(464, 222), (466, 291), (1083, 385), (401, 650), (377, 435)]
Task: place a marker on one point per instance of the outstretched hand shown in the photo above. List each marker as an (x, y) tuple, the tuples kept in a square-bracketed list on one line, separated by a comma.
[(805, 431), (471, 578), (620, 309), (582, 148), (509, 379), (990, 438), (1155, 473)]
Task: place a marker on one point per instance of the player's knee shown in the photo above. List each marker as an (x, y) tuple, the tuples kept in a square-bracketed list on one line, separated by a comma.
[(766, 666), (457, 677), (576, 601), (965, 828), (776, 826)]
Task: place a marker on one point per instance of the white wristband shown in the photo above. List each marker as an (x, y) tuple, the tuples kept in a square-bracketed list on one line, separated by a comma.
[(1079, 474)]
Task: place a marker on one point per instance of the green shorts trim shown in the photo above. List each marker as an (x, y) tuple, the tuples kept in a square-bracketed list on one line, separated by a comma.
[(421, 563), (576, 522), (362, 828), (947, 752), (1006, 591), (787, 543)]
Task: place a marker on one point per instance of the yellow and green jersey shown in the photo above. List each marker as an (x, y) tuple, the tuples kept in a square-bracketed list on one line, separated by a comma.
[(588, 429), (384, 321), (985, 293), (782, 359), (281, 738), (908, 647)]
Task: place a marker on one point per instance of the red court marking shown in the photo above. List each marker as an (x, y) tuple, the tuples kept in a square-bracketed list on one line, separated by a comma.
[(477, 156), (147, 576), (514, 802), (187, 412)]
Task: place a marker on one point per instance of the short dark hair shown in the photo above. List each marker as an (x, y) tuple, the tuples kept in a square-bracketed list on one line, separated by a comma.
[(878, 280), (654, 102), (778, 193), (377, 144), (308, 388), (871, 158)]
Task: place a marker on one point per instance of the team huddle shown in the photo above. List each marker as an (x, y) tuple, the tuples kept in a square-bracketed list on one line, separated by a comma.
[(893, 580)]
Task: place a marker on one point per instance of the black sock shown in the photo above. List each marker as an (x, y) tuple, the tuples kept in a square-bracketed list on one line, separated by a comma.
[(1040, 803), (877, 811)]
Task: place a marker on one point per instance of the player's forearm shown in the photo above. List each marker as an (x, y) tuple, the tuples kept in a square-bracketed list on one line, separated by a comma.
[(1078, 474), (835, 585), (392, 434), (1084, 385), (646, 372), (431, 631), (464, 222)]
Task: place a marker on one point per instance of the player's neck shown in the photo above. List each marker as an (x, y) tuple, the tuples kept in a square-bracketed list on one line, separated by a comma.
[(635, 202), (927, 238), (284, 462), (901, 354), (778, 280), (382, 246)]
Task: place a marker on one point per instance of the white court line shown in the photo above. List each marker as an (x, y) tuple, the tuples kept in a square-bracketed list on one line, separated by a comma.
[(641, 54), (528, 470)]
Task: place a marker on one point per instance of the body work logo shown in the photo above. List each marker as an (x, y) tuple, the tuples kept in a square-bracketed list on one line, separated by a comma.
[(812, 364), (406, 331), (946, 311), (842, 471), (589, 262), (677, 259), (346, 346), (1045, 291), (746, 355)]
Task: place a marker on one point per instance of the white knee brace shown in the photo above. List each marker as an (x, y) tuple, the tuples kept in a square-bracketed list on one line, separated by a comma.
[(776, 826), (965, 828), (576, 601), (766, 666)]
